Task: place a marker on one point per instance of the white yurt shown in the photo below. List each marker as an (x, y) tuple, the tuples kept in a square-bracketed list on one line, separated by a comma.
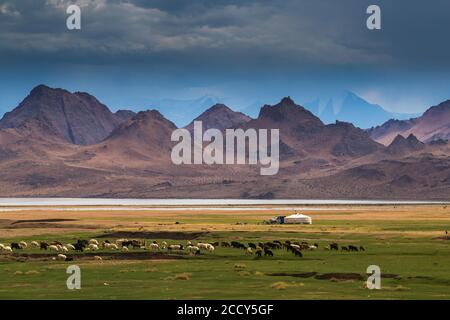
[(298, 218)]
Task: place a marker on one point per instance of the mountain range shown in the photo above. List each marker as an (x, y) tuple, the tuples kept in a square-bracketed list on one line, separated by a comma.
[(350, 107), (63, 144), (432, 125)]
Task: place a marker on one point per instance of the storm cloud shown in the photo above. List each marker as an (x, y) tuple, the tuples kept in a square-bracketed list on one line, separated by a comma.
[(160, 49)]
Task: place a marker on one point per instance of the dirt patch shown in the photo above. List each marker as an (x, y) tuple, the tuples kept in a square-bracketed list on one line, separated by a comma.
[(389, 276), (296, 275), (47, 225), (42, 224), (339, 276), (421, 277), (441, 238), (154, 235), (42, 220), (91, 255)]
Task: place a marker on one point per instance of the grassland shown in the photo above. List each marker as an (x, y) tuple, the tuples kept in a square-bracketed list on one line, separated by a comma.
[(407, 242)]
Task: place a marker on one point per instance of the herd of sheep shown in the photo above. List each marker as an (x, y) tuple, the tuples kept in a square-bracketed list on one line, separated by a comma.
[(124, 245)]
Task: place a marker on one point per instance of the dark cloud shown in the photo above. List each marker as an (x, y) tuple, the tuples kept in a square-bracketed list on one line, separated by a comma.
[(231, 48), (291, 32)]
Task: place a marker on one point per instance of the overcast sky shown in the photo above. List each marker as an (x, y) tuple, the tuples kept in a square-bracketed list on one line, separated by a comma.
[(130, 53)]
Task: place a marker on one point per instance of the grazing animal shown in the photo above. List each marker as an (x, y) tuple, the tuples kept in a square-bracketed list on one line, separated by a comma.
[(56, 243), (249, 251), (83, 243), (225, 244), (53, 248), (154, 246), (125, 249), (64, 249), (23, 244), (93, 246), (34, 244), (193, 249), (258, 252), (344, 248), (8, 249), (352, 248), (334, 246), (268, 252), (93, 241), (136, 244), (15, 245), (215, 244), (70, 246), (61, 257), (237, 245), (98, 258), (298, 253), (79, 247), (252, 245), (176, 247), (312, 247), (361, 248), (43, 245), (202, 245)]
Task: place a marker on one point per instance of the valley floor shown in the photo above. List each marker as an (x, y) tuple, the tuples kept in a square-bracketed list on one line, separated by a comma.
[(407, 242)]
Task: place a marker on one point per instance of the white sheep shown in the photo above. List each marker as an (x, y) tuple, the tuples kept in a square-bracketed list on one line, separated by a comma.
[(98, 258), (154, 246), (23, 244), (61, 257), (93, 241), (93, 246), (64, 249), (7, 248), (311, 247), (248, 251), (202, 245), (53, 248), (210, 248), (35, 244), (2, 246), (193, 249), (175, 247), (70, 246)]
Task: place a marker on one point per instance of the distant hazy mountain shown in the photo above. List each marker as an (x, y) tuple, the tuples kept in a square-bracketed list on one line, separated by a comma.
[(303, 134), (181, 112), (352, 108), (125, 114), (434, 124), (220, 117)]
